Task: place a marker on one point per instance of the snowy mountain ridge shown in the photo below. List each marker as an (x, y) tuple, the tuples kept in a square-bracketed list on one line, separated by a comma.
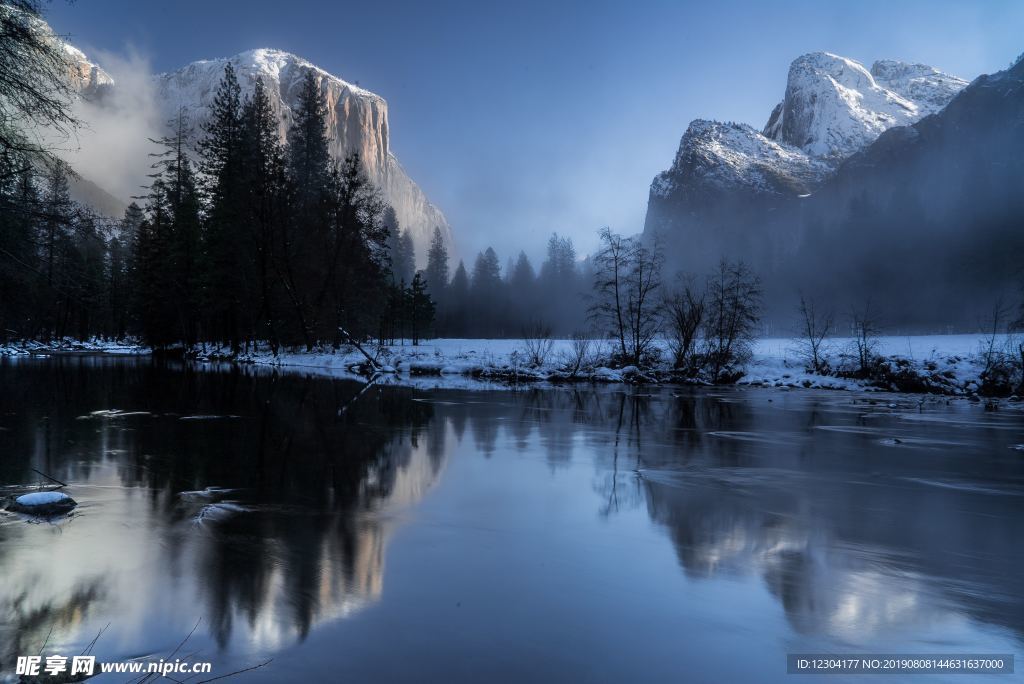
[(833, 107), (731, 155)]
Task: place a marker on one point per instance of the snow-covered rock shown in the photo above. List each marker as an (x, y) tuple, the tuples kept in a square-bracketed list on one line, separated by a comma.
[(730, 155), (43, 503), (834, 106), (357, 122), (87, 78), (927, 87)]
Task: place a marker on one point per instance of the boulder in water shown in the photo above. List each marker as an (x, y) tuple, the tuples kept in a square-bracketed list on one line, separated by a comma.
[(44, 504)]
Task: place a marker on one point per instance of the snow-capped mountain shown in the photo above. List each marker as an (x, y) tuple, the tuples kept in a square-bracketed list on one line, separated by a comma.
[(833, 107), (357, 121), (730, 155), (935, 201)]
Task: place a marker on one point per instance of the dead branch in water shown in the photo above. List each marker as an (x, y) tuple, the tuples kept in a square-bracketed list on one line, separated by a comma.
[(51, 479), (373, 362)]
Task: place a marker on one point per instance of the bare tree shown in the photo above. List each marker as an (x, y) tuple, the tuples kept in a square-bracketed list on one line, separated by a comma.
[(627, 278), (992, 326), (35, 88), (864, 321), (815, 326), (733, 310), (537, 343), (578, 356), (1002, 353), (684, 313), (611, 266), (644, 284)]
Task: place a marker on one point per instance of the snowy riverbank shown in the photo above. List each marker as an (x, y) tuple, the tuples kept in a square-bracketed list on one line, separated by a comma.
[(95, 345), (940, 364), (943, 364)]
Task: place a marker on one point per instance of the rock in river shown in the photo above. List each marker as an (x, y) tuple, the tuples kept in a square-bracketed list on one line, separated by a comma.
[(43, 504)]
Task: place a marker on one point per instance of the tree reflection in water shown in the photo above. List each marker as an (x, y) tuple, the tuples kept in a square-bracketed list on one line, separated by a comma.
[(799, 493)]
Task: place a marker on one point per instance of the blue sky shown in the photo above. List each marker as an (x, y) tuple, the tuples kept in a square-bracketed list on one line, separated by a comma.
[(523, 118)]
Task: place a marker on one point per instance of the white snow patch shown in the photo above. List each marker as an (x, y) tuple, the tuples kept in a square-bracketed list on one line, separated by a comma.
[(42, 498)]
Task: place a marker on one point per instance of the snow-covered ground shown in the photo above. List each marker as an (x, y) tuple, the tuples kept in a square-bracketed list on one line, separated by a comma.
[(956, 358), (953, 360), (950, 364), (71, 345)]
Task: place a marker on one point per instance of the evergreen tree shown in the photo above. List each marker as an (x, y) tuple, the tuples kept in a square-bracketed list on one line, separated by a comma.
[(307, 232), (120, 276), (485, 294), (153, 308), (436, 274), (522, 285), (403, 259), (263, 166), (421, 309), (309, 160), (174, 235), (55, 235), (457, 303), (356, 256), (225, 245), (19, 259)]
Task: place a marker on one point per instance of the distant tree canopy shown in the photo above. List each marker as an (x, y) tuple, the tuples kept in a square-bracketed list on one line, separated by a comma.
[(252, 241), (485, 301)]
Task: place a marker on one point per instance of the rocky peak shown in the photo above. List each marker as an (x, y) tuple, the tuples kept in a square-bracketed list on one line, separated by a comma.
[(88, 79), (731, 155), (925, 86), (833, 107)]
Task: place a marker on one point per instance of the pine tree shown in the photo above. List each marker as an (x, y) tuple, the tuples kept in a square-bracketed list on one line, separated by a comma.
[(456, 311), (264, 180), (152, 305), (306, 234), (436, 274), (421, 309), (55, 232), (485, 293), (120, 274), (173, 209), (224, 241), (356, 255), (20, 281), (403, 260), (309, 160)]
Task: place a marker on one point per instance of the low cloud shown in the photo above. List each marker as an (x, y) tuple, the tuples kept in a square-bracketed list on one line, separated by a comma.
[(113, 146)]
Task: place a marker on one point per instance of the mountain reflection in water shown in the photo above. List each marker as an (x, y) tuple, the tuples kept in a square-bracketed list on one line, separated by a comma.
[(878, 526)]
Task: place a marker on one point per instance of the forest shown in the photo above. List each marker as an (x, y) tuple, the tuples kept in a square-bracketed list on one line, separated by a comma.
[(244, 241)]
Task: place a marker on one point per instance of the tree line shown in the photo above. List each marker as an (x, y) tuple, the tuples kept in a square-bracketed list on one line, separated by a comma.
[(255, 240), (487, 300)]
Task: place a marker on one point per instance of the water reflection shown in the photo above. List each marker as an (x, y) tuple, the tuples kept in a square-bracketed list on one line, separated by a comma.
[(866, 523), (310, 495)]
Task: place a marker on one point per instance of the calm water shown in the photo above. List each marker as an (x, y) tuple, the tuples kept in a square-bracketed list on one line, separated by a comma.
[(545, 535)]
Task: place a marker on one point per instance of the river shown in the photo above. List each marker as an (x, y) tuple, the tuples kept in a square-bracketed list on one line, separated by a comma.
[(542, 534)]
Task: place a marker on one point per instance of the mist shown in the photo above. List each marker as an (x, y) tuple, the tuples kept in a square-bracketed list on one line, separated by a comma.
[(113, 145)]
